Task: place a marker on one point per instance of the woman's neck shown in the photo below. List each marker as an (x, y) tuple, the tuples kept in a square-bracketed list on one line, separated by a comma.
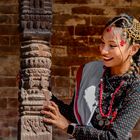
[(120, 70)]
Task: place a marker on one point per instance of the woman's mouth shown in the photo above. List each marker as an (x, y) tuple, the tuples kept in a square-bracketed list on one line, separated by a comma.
[(107, 59)]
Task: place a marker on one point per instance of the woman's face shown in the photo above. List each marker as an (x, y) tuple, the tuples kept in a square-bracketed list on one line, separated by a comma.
[(114, 47)]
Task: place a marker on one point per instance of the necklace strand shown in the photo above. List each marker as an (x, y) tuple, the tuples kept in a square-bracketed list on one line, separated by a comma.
[(112, 99)]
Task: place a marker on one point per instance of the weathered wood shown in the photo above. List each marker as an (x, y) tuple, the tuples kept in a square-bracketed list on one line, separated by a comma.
[(36, 19), (35, 25)]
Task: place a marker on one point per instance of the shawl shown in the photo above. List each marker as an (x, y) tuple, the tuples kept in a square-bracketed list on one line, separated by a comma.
[(85, 101)]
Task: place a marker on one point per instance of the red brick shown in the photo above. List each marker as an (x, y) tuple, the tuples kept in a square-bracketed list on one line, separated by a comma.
[(66, 19), (8, 92), (133, 11), (9, 30), (135, 3), (87, 10), (4, 19), (126, 2), (71, 60), (4, 41), (95, 2), (7, 69), (9, 9), (14, 40), (63, 91), (12, 103), (52, 81), (7, 82), (74, 71), (80, 40), (119, 2), (8, 113), (71, 93), (72, 85), (4, 132), (70, 41), (59, 51), (9, 50), (8, 19), (82, 30), (62, 35), (13, 132), (13, 122), (3, 102), (60, 40), (66, 30), (5, 123), (75, 41), (60, 71), (70, 1), (83, 51), (60, 92), (94, 40), (62, 81), (4, 2), (99, 20)]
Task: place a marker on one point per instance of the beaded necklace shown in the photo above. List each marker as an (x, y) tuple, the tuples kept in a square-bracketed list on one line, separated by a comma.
[(110, 113)]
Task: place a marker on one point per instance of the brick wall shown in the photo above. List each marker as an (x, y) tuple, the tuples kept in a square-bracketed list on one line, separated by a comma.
[(9, 66), (77, 25)]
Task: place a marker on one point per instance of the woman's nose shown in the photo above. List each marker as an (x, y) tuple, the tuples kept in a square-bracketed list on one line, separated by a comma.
[(104, 50)]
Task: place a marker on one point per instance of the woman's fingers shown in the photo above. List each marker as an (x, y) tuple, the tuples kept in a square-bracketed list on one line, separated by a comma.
[(54, 105), (52, 109), (49, 114), (48, 120), (53, 116)]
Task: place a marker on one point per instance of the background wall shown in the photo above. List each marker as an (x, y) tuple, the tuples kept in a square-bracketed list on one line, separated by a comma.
[(77, 26), (9, 66)]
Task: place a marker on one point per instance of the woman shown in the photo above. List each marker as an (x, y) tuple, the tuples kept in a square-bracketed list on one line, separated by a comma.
[(106, 105)]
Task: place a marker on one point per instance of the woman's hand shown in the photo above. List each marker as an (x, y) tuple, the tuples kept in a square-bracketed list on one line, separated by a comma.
[(53, 116)]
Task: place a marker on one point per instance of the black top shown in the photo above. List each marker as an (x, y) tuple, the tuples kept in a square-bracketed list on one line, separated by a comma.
[(127, 103)]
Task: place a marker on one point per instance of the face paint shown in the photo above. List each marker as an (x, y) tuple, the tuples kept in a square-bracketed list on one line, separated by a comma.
[(109, 29), (114, 49), (118, 37), (122, 43)]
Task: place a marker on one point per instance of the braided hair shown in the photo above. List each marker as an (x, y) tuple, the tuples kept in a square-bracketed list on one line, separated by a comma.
[(132, 27)]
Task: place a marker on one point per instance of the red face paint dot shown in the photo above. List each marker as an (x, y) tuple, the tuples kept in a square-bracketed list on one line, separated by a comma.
[(122, 42), (108, 29)]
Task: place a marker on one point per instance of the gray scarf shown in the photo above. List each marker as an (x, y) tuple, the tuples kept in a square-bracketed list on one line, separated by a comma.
[(87, 99)]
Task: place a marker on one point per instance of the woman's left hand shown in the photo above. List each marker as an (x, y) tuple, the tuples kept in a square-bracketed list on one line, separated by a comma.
[(53, 116)]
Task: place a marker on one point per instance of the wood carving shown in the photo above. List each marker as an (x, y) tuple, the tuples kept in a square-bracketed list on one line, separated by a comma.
[(35, 25)]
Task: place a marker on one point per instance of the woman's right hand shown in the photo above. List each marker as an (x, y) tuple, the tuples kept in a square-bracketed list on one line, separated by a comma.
[(54, 117)]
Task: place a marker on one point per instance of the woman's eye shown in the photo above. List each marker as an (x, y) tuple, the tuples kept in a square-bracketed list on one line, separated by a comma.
[(102, 43), (113, 46)]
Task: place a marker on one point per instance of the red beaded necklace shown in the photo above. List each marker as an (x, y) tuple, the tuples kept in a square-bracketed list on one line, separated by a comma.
[(111, 103)]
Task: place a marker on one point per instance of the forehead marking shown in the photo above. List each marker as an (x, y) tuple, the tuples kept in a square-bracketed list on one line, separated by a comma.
[(109, 29), (122, 43)]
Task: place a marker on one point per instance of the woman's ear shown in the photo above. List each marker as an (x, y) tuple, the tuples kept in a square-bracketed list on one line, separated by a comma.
[(134, 49)]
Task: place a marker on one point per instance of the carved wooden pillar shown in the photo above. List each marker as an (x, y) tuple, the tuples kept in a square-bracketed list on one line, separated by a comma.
[(35, 25)]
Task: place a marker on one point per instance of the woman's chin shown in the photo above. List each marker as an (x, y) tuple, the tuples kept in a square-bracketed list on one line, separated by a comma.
[(107, 64)]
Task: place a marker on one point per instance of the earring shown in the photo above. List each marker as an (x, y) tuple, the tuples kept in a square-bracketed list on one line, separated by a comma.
[(131, 61)]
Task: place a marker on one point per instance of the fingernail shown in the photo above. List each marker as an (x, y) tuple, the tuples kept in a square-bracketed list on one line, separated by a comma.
[(42, 111)]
